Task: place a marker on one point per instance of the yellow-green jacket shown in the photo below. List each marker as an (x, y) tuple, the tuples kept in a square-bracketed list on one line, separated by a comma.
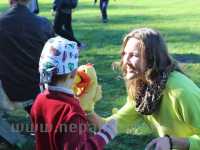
[(178, 115)]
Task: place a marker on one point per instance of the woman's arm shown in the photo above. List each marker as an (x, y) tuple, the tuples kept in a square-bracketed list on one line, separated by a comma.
[(126, 116)]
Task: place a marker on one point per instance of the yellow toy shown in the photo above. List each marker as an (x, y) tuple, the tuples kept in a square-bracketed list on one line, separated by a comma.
[(86, 87)]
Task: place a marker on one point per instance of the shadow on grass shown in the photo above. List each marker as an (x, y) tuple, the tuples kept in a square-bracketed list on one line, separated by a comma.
[(87, 27), (91, 6), (187, 58)]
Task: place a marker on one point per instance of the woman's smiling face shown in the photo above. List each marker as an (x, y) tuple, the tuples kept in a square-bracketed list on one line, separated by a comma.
[(133, 59)]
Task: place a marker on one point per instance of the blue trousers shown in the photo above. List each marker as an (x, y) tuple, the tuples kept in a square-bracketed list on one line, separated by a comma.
[(103, 7)]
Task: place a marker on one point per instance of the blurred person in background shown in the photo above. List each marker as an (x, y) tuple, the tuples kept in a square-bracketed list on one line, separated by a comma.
[(103, 5), (62, 23), (22, 37)]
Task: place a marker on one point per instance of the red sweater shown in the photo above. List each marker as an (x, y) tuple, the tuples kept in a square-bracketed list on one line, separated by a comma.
[(60, 124)]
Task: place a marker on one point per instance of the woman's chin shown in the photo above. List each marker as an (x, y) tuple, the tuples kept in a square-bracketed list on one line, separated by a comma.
[(130, 76)]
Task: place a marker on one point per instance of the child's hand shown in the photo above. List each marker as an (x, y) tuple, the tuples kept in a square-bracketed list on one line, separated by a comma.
[(108, 131)]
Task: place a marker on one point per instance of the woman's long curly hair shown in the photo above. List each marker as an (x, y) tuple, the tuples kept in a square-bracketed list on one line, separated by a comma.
[(154, 52)]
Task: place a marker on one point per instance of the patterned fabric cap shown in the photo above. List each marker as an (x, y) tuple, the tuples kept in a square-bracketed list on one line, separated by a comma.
[(59, 56)]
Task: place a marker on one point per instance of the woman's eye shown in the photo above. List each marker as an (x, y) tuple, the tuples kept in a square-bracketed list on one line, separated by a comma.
[(123, 53), (130, 55)]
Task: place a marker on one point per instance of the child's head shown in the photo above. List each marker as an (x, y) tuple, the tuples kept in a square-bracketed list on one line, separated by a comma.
[(58, 61)]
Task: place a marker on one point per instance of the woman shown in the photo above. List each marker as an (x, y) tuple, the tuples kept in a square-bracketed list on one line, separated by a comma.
[(159, 92)]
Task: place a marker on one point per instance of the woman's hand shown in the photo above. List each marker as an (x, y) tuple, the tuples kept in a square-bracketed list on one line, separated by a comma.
[(161, 143)]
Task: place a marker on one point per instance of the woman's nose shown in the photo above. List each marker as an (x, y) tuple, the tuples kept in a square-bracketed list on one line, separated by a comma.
[(126, 59)]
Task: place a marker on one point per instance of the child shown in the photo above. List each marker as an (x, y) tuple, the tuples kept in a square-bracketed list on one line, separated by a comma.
[(58, 119)]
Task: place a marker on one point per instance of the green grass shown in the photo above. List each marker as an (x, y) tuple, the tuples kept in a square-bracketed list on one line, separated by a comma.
[(177, 20)]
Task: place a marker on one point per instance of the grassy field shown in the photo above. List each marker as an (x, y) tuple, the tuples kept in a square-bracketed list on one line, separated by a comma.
[(177, 20)]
